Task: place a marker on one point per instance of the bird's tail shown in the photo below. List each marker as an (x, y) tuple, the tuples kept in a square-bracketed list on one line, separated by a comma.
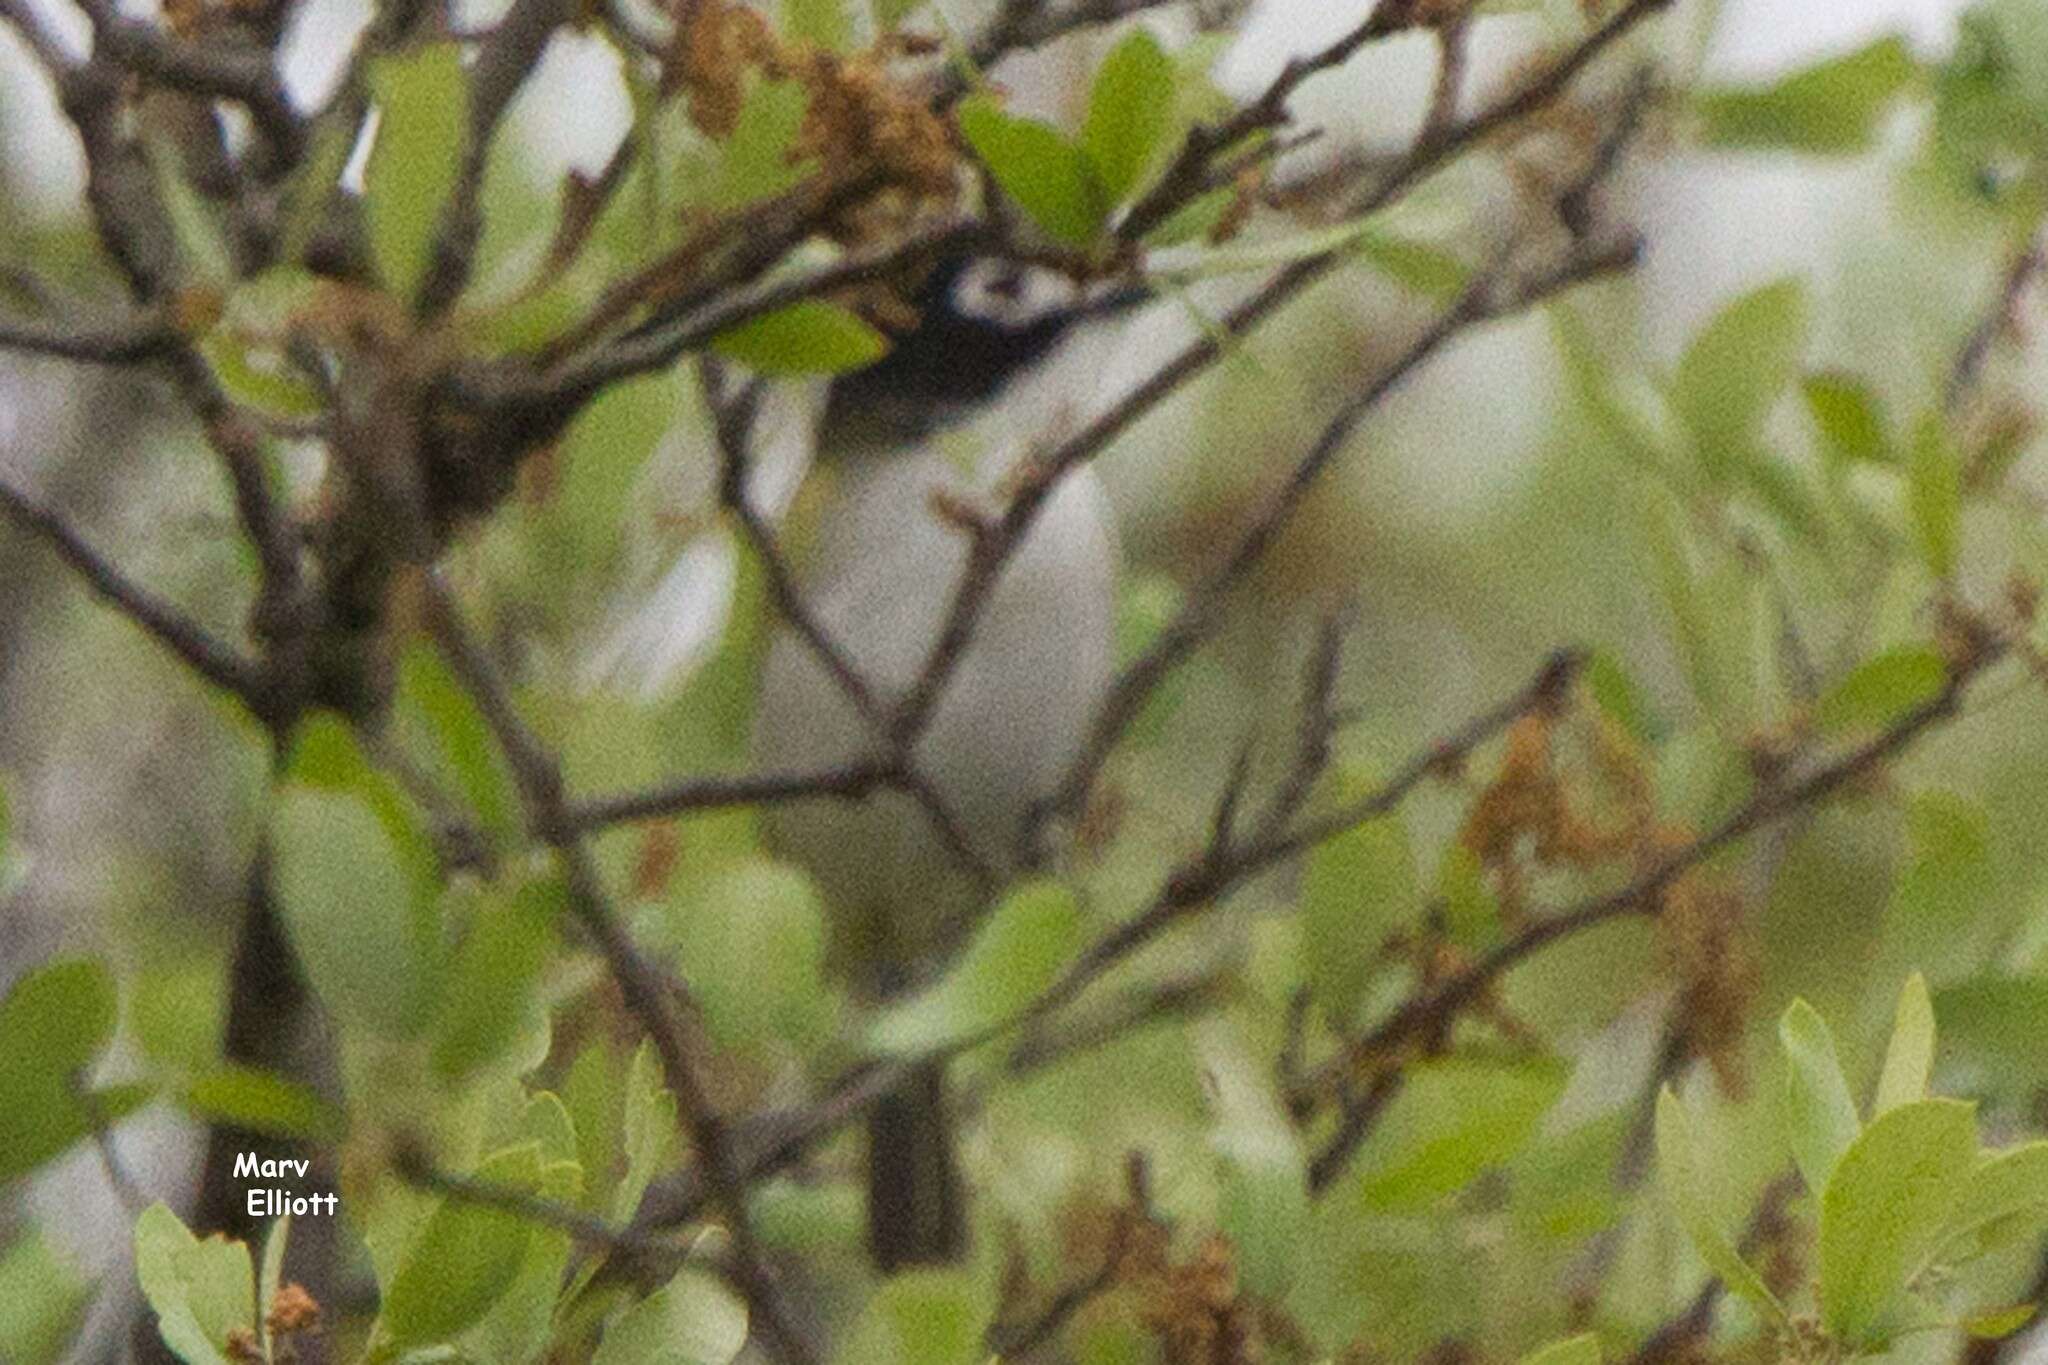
[(916, 1215)]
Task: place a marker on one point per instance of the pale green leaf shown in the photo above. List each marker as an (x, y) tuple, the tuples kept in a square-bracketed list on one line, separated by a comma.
[(812, 337), (2000, 1323), (1682, 1173), (42, 1299), (647, 1131), (1934, 495), (692, 1320), (1851, 423), (1909, 1058), (1452, 1120), (924, 1317), (1831, 107), (1030, 935), (1882, 690), (1892, 1194), (200, 1290), (423, 121), (752, 945), (1735, 369), (1355, 890), (822, 23), (452, 725), (365, 934), (1048, 176), (1130, 110), (2007, 1187), (262, 1102), (1820, 1115), (464, 1256), (487, 1000)]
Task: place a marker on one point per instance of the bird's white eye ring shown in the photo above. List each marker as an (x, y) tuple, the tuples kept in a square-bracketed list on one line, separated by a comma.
[(1012, 294)]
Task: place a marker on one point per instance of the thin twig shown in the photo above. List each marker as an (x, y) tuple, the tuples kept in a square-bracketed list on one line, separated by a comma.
[(644, 987), (691, 795), (90, 343), (213, 659), (1995, 322)]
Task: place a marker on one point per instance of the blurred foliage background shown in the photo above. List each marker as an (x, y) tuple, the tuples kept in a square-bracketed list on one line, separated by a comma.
[(1745, 478)]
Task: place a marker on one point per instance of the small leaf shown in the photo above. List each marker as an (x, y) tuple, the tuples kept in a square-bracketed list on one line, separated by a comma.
[(1356, 889), (1583, 1349), (1047, 175), (924, 1317), (692, 1320), (366, 935), (1832, 107), (423, 121), (1129, 112), (1030, 935), (464, 1256), (200, 1290), (1934, 494), (1734, 370), (1882, 690), (1820, 1116), (1681, 1173), (647, 1131), (262, 1102), (491, 980), (752, 943), (42, 1300), (811, 337), (2000, 1323), (1453, 1119), (1909, 1059), (54, 1022), (456, 730), (2007, 1186), (1892, 1193), (1851, 424)]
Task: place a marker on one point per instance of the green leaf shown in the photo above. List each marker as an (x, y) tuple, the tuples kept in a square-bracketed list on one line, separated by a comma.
[(1356, 889), (811, 337), (1832, 107), (692, 1320), (1820, 1115), (200, 1290), (1048, 176), (1880, 691), (1909, 1058), (423, 121), (491, 980), (1130, 110), (2000, 1323), (464, 1256), (1453, 1119), (1265, 1211), (823, 23), (463, 742), (1583, 1349), (1934, 493), (54, 1023), (1892, 1194), (752, 946), (1031, 934), (1420, 267), (924, 1317), (1734, 370), (1996, 1021), (1683, 1175), (1851, 423), (366, 935), (326, 755), (889, 13), (647, 1131), (42, 1300), (262, 1102), (2007, 1187)]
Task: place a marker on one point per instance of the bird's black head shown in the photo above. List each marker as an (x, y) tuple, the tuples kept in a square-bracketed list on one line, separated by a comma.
[(981, 322)]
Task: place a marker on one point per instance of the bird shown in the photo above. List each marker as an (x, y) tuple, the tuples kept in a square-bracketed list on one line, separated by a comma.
[(881, 574)]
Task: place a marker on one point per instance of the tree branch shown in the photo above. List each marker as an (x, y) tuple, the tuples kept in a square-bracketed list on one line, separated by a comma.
[(644, 988), (215, 661)]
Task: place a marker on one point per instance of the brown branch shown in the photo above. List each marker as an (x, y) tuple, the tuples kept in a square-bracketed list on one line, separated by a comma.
[(690, 795), (93, 343), (217, 69), (1490, 295), (212, 659), (1997, 319), (1432, 1011), (644, 987), (507, 56)]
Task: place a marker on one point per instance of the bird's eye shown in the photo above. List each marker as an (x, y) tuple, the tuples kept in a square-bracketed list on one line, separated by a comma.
[(1011, 295)]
